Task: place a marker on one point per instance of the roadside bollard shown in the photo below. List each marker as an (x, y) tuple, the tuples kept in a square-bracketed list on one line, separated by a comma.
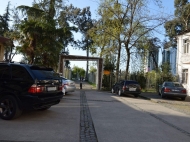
[(80, 85)]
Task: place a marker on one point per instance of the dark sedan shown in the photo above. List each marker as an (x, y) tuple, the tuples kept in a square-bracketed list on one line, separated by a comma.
[(172, 89), (124, 87)]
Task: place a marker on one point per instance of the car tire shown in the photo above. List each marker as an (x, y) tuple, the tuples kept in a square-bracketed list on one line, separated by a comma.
[(136, 95), (112, 91), (45, 108), (9, 108), (183, 98), (159, 93), (119, 92), (163, 96)]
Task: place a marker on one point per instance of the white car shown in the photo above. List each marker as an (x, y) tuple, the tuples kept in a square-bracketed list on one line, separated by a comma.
[(68, 85)]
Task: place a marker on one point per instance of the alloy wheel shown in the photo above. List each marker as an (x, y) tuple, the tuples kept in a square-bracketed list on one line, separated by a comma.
[(6, 108)]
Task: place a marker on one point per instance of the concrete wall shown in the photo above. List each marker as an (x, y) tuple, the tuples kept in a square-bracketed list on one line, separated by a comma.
[(92, 77)]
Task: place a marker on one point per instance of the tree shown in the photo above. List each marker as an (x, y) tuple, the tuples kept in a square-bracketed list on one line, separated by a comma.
[(181, 22), (92, 69), (82, 19), (126, 22), (78, 72), (6, 31), (43, 34)]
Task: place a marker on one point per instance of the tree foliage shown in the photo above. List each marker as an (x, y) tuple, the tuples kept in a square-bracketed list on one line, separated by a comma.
[(122, 24), (181, 22), (77, 71), (5, 31)]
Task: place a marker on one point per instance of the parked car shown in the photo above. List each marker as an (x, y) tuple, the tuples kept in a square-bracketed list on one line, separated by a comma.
[(124, 87), (24, 87), (68, 85), (172, 89)]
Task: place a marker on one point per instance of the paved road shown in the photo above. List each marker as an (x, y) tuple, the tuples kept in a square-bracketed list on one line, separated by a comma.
[(90, 115)]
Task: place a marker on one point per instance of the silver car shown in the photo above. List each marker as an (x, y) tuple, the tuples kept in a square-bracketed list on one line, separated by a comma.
[(68, 85)]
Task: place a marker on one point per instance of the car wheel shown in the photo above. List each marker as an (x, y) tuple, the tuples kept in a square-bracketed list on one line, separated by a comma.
[(182, 98), (119, 93), (159, 93), (112, 90), (45, 108), (162, 95), (136, 95), (9, 108)]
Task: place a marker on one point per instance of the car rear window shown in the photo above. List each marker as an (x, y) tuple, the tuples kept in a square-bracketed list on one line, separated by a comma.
[(44, 73), (130, 82), (169, 84), (178, 85)]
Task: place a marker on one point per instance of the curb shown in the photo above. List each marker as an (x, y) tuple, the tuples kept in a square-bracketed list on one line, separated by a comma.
[(146, 98)]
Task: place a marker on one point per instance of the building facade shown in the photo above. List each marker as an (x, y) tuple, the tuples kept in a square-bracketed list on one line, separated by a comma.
[(150, 60), (183, 60), (169, 56)]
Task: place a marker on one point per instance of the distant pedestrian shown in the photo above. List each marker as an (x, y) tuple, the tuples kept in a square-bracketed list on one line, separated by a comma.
[(63, 89)]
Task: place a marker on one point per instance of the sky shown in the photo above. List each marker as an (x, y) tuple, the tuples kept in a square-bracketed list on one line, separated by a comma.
[(168, 8)]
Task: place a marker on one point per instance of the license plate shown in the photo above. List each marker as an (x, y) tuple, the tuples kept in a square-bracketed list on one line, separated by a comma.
[(51, 88), (175, 90), (132, 89)]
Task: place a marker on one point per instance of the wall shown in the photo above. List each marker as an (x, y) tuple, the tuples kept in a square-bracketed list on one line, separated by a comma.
[(183, 60)]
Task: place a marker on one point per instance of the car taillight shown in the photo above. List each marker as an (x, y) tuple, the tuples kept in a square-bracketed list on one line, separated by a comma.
[(61, 87), (167, 89), (124, 87), (35, 89), (184, 91)]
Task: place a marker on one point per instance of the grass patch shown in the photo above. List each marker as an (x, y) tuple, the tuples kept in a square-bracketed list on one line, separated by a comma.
[(93, 84), (149, 90)]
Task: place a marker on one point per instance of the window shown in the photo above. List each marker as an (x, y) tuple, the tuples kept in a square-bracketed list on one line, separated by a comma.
[(19, 72), (184, 76), (4, 72), (186, 46), (168, 56)]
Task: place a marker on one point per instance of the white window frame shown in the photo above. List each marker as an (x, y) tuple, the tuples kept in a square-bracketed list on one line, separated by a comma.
[(186, 45), (184, 76)]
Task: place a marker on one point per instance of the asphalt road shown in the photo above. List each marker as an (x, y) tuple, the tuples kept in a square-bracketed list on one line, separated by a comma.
[(90, 115)]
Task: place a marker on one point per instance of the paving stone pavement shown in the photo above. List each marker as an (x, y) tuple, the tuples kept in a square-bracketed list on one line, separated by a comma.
[(178, 105), (87, 130), (172, 103)]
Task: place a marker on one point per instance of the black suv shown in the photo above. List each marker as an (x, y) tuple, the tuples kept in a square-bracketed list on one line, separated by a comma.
[(24, 86), (124, 87)]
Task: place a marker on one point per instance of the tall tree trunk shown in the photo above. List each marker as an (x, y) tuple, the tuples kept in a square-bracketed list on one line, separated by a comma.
[(118, 61), (128, 61)]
